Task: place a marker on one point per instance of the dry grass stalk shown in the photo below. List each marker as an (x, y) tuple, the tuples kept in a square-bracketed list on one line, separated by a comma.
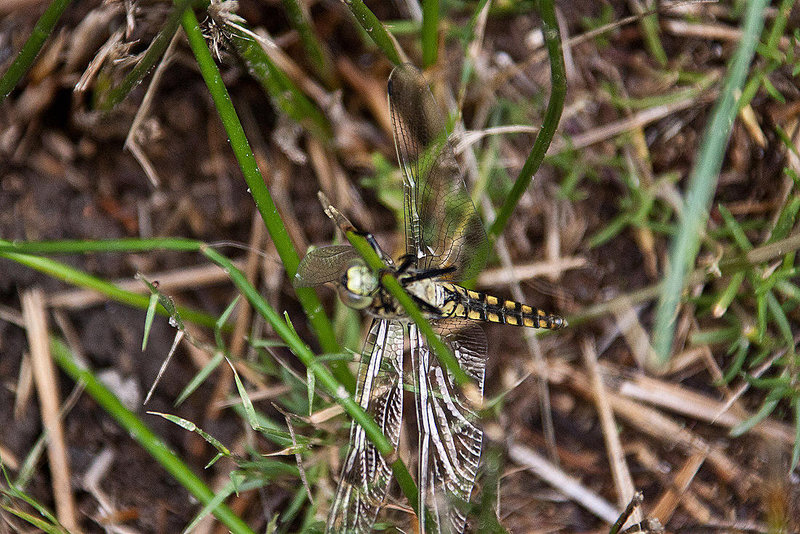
[(684, 401), (563, 482), (623, 481), (669, 501), (44, 374), (669, 431)]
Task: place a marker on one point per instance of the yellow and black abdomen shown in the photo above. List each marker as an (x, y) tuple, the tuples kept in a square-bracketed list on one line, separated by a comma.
[(482, 307)]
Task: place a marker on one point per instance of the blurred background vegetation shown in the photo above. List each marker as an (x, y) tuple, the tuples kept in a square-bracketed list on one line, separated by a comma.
[(162, 159)]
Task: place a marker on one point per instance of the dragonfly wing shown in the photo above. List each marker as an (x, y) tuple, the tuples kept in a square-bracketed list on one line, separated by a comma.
[(324, 264), (365, 475), (442, 227), (450, 439)]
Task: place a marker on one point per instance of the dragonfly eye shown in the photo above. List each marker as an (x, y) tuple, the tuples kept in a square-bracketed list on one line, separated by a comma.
[(354, 300), (358, 286)]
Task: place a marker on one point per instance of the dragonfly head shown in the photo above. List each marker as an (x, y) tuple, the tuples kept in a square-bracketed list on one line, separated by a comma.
[(358, 285)]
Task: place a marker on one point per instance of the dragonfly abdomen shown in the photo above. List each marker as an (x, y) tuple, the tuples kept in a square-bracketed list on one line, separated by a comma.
[(479, 306)]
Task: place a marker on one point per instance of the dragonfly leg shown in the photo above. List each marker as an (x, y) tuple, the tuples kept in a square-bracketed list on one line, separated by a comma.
[(425, 306), (429, 273), (406, 261)]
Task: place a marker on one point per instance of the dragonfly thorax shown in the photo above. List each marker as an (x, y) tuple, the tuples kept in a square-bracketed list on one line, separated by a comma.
[(427, 294)]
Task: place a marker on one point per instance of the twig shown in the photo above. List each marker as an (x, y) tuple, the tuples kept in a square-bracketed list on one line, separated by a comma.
[(638, 120)]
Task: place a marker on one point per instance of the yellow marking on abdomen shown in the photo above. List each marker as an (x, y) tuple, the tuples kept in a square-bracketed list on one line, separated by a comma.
[(478, 306), (448, 309)]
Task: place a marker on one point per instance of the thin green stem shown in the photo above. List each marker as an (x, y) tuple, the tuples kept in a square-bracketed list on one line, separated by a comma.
[(430, 32), (79, 278), (27, 55), (298, 17), (85, 246), (651, 29), (282, 90), (154, 445), (558, 82), (702, 184), (375, 29), (264, 203)]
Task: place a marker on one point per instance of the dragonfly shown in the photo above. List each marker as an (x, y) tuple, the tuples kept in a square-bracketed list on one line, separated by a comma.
[(445, 243)]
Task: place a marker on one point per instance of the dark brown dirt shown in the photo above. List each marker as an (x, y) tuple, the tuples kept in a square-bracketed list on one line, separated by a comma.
[(64, 175)]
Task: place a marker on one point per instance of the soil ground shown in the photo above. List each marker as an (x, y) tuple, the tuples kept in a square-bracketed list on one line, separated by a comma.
[(65, 175)]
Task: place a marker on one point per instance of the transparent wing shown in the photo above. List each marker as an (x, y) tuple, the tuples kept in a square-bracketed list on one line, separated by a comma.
[(323, 264), (442, 227), (449, 440), (365, 475)]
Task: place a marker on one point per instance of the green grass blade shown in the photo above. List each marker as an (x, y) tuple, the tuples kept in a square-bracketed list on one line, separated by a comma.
[(264, 203), (200, 377), (45, 520), (769, 405), (430, 32), (247, 404), (786, 220), (650, 29), (702, 184), (375, 29), (148, 319), (558, 91), (739, 351), (735, 229), (154, 445), (286, 96), (83, 246), (221, 323), (795, 403), (728, 294), (781, 321), (35, 521), (192, 427), (317, 55), (29, 51), (79, 278)]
